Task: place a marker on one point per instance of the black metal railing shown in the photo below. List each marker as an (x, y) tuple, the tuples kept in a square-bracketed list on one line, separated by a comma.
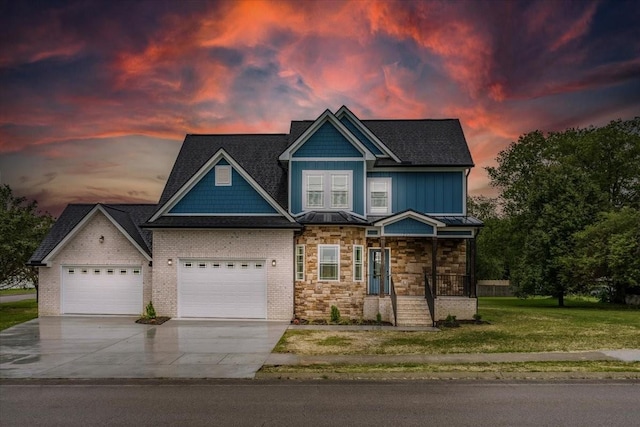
[(452, 285), (394, 302), (428, 295)]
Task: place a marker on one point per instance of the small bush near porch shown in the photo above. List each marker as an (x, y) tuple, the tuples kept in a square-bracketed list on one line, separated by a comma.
[(516, 325)]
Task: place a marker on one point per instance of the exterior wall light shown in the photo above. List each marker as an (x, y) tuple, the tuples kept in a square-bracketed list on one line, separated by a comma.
[(101, 239), (273, 263), (169, 261)]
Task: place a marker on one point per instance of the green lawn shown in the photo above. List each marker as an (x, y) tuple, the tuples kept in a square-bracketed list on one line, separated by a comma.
[(531, 325), (13, 313)]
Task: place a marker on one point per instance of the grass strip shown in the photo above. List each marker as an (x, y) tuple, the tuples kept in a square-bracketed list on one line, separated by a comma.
[(13, 313), (582, 366)]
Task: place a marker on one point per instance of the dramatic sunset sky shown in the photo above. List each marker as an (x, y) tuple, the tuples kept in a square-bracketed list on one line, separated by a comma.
[(96, 96)]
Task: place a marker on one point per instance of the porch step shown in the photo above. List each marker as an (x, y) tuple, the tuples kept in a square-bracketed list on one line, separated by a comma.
[(413, 311)]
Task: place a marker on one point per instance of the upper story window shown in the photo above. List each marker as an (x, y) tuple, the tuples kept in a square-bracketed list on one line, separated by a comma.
[(340, 191), (327, 190), (223, 175), (379, 200), (315, 191)]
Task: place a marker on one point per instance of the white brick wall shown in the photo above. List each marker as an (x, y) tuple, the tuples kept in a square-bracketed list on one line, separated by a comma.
[(224, 244), (85, 249)]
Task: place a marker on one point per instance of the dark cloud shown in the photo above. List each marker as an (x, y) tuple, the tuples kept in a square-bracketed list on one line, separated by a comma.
[(96, 95)]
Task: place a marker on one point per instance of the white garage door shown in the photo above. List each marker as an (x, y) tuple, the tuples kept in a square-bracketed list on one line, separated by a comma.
[(227, 289), (101, 290)]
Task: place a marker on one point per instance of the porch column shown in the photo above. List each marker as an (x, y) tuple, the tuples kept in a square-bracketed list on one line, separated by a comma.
[(383, 268), (472, 267), (434, 260)]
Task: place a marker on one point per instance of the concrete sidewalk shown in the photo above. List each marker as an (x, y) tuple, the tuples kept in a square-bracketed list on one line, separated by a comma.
[(14, 298), (626, 355)]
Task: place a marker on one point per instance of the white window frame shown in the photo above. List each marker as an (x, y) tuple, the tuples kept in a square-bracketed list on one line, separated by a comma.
[(357, 263), (300, 260), (378, 211), (327, 190), (306, 190), (223, 175), (320, 263)]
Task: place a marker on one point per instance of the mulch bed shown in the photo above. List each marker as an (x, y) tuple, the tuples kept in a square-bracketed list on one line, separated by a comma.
[(156, 321), (359, 322)]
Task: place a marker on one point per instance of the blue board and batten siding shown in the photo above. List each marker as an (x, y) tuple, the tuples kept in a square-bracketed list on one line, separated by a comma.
[(426, 192), (409, 226), (295, 171), (361, 137), (238, 198), (327, 141)]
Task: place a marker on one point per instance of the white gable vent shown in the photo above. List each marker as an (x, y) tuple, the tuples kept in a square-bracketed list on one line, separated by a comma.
[(223, 175)]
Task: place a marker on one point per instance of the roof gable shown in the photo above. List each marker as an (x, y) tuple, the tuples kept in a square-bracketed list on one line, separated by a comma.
[(408, 223), (327, 141), (126, 218), (257, 154), (205, 197), (206, 171), (329, 131)]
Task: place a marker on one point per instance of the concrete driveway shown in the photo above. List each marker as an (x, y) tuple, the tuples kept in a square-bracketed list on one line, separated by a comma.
[(116, 347)]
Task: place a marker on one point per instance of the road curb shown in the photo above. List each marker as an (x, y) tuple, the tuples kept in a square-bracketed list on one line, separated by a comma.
[(448, 376)]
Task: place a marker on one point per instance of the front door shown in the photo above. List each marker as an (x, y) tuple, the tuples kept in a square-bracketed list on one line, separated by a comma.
[(375, 269)]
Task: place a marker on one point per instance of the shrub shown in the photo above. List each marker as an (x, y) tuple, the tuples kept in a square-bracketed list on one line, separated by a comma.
[(335, 314), (451, 322), (150, 312)]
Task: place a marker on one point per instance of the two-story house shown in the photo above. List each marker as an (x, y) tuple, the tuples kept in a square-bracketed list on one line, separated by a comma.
[(366, 215)]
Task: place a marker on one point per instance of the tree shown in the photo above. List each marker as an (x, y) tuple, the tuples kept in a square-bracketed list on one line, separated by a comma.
[(561, 202), (494, 242), (552, 186), (608, 253), (22, 228)]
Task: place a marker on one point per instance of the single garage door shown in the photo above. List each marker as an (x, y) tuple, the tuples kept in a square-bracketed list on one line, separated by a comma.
[(101, 290), (225, 289)]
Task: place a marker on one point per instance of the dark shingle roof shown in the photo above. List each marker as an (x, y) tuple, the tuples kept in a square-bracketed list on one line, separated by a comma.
[(275, 222), (257, 154), (415, 142), (128, 216)]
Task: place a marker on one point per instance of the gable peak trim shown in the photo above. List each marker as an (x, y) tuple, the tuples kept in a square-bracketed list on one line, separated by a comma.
[(345, 112), (326, 116)]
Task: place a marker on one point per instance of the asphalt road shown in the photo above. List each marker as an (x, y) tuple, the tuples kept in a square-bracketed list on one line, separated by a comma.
[(322, 403)]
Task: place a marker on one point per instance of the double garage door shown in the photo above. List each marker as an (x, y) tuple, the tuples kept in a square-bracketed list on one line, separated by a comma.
[(222, 288), (101, 290)]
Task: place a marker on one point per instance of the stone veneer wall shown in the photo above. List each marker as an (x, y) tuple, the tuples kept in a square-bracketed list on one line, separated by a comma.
[(314, 298), (411, 255), (85, 249)]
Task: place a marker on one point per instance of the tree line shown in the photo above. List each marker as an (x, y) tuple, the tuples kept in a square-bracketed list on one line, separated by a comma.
[(567, 217)]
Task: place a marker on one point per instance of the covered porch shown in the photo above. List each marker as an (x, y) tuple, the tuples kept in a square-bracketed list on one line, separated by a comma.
[(430, 269)]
